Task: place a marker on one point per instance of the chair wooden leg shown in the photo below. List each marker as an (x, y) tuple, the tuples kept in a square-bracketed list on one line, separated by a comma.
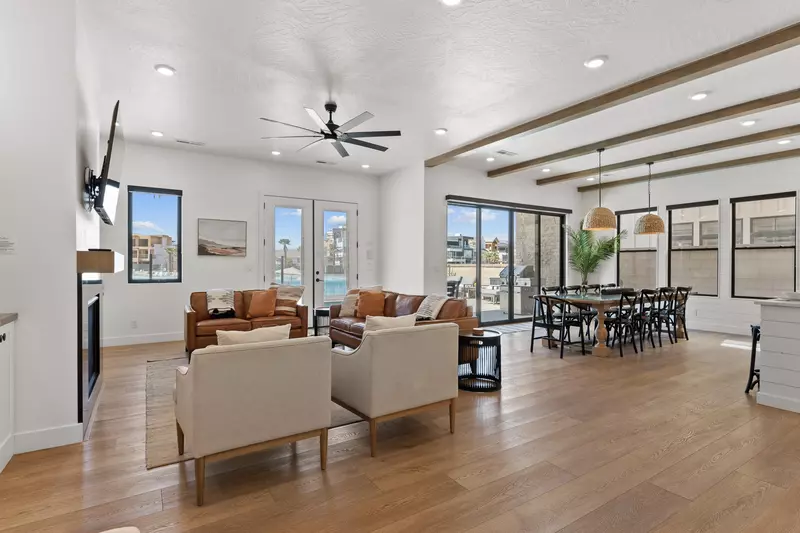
[(200, 478), (452, 415), (181, 438), (323, 449), (373, 438)]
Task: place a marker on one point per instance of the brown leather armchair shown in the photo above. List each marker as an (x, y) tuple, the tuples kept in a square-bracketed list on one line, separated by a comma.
[(200, 330)]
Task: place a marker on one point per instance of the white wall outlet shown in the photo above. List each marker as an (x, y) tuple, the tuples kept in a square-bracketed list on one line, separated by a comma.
[(134, 324)]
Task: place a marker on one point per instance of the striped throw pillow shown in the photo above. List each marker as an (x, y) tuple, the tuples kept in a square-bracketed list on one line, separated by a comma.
[(288, 296)]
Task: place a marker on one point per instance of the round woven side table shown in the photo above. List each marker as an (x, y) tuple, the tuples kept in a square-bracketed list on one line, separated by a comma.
[(479, 361)]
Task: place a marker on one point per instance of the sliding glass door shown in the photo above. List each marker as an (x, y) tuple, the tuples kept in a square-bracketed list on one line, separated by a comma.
[(498, 258)]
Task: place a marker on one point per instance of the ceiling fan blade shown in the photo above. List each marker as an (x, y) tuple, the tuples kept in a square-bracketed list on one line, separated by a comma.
[(312, 143), (353, 122), (365, 144), (317, 119), (296, 137), (340, 149), (290, 125), (362, 134)]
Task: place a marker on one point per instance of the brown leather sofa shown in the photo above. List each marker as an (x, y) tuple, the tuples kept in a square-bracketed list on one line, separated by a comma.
[(200, 330), (349, 330)]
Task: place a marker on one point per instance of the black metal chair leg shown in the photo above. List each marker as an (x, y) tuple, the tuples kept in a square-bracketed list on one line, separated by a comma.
[(621, 341), (633, 340), (562, 340)]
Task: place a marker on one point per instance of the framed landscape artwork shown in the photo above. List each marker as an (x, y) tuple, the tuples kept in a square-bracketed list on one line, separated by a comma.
[(221, 237)]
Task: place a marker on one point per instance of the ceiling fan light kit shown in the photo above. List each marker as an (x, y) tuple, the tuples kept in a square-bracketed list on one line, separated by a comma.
[(336, 134), (649, 224), (600, 218)]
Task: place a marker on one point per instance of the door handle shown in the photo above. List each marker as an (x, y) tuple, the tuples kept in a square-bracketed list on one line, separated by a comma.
[(319, 280)]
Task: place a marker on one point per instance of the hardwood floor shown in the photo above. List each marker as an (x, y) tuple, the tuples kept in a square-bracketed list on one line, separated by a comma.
[(665, 441)]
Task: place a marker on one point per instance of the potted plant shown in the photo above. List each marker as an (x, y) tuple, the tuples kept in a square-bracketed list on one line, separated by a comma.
[(586, 251)]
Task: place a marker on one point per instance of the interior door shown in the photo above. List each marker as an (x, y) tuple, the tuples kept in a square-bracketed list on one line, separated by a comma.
[(336, 251), (288, 250)]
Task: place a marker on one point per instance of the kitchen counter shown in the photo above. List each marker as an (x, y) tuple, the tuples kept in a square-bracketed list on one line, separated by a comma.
[(779, 360), (7, 318)]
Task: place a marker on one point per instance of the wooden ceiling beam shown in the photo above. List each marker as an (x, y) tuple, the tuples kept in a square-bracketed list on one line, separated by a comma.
[(764, 158), (712, 117), (677, 154), (762, 46)]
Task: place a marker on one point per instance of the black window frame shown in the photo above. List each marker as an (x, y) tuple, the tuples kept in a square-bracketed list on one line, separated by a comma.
[(620, 251), (670, 249), (155, 190), (756, 198)]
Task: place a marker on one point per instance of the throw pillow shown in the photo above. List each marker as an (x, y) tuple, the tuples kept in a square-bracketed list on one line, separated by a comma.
[(288, 296), (430, 307), (376, 323), (351, 300), (272, 333), (263, 303), (220, 303), (369, 304)]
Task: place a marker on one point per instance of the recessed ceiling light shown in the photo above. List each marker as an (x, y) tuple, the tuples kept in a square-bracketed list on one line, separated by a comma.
[(364, 166), (440, 131), (451, 2), (748, 123), (156, 134), (595, 62), (490, 159), (275, 152), (784, 141), (591, 178), (165, 70), (699, 96), (545, 170)]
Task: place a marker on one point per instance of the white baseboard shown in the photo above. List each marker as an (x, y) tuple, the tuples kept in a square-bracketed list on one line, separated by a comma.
[(780, 402), (48, 438), (147, 338), (6, 451)]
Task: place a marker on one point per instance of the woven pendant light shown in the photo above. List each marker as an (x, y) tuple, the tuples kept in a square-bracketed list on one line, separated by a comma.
[(600, 218), (649, 224)]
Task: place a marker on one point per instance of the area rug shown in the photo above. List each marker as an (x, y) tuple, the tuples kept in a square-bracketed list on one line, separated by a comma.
[(161, 444)]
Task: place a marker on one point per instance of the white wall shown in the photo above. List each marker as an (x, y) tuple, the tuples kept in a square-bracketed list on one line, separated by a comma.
[(223, 188), (723, 313), (402, 199), (38, 210), (453, 180)]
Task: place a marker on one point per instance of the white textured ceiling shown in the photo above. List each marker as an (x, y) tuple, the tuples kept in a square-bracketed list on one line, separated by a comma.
[(418, 65)]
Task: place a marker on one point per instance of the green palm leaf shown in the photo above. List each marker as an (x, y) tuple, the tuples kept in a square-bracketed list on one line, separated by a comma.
[(586, 251)]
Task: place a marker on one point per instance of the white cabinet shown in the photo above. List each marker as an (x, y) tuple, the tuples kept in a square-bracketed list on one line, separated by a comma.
[(6, 394)]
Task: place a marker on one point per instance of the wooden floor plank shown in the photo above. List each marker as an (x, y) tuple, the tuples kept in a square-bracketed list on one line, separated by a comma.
[(779, 464)]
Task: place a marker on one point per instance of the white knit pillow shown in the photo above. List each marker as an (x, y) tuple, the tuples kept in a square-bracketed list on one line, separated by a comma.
[(430, 307), (376, 323), (270, 333)]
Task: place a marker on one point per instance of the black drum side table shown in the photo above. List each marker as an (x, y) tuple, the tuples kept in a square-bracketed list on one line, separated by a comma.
[(479, 361), (322, 320)]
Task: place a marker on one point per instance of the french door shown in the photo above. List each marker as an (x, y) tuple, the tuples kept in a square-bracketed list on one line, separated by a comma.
[(312, 243)]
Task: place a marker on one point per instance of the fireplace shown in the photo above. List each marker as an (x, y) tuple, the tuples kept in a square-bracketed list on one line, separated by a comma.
[(90, 349)]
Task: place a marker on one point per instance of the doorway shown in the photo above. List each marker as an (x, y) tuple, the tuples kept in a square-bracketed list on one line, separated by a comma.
[(498, 258), (313, 243)]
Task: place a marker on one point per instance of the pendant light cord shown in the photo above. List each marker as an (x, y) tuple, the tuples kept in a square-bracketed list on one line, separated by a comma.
[(600, 177), (649, 177)]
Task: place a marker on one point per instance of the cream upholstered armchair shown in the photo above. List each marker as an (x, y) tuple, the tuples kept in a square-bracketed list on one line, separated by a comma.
[(238, 399), (396, 373)]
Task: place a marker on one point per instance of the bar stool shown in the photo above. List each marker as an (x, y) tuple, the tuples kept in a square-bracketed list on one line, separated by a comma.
[(755, 374)]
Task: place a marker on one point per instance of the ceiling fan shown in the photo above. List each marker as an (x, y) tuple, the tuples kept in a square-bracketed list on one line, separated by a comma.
[(335, 134)]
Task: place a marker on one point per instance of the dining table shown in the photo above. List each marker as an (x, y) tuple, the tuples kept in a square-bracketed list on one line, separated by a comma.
[(600, 303)]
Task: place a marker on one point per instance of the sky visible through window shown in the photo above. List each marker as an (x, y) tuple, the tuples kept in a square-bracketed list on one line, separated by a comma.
[(461, 220), (155, 214), (288, 224)]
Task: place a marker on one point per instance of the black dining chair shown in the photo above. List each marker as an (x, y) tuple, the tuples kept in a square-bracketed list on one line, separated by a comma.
[(572, 289), (681, 298), (625, 323), (608, 286), (567, 315), (667, 301), (755, 374), (553, 290), (541, 320), (649, 316), (595, 288)]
